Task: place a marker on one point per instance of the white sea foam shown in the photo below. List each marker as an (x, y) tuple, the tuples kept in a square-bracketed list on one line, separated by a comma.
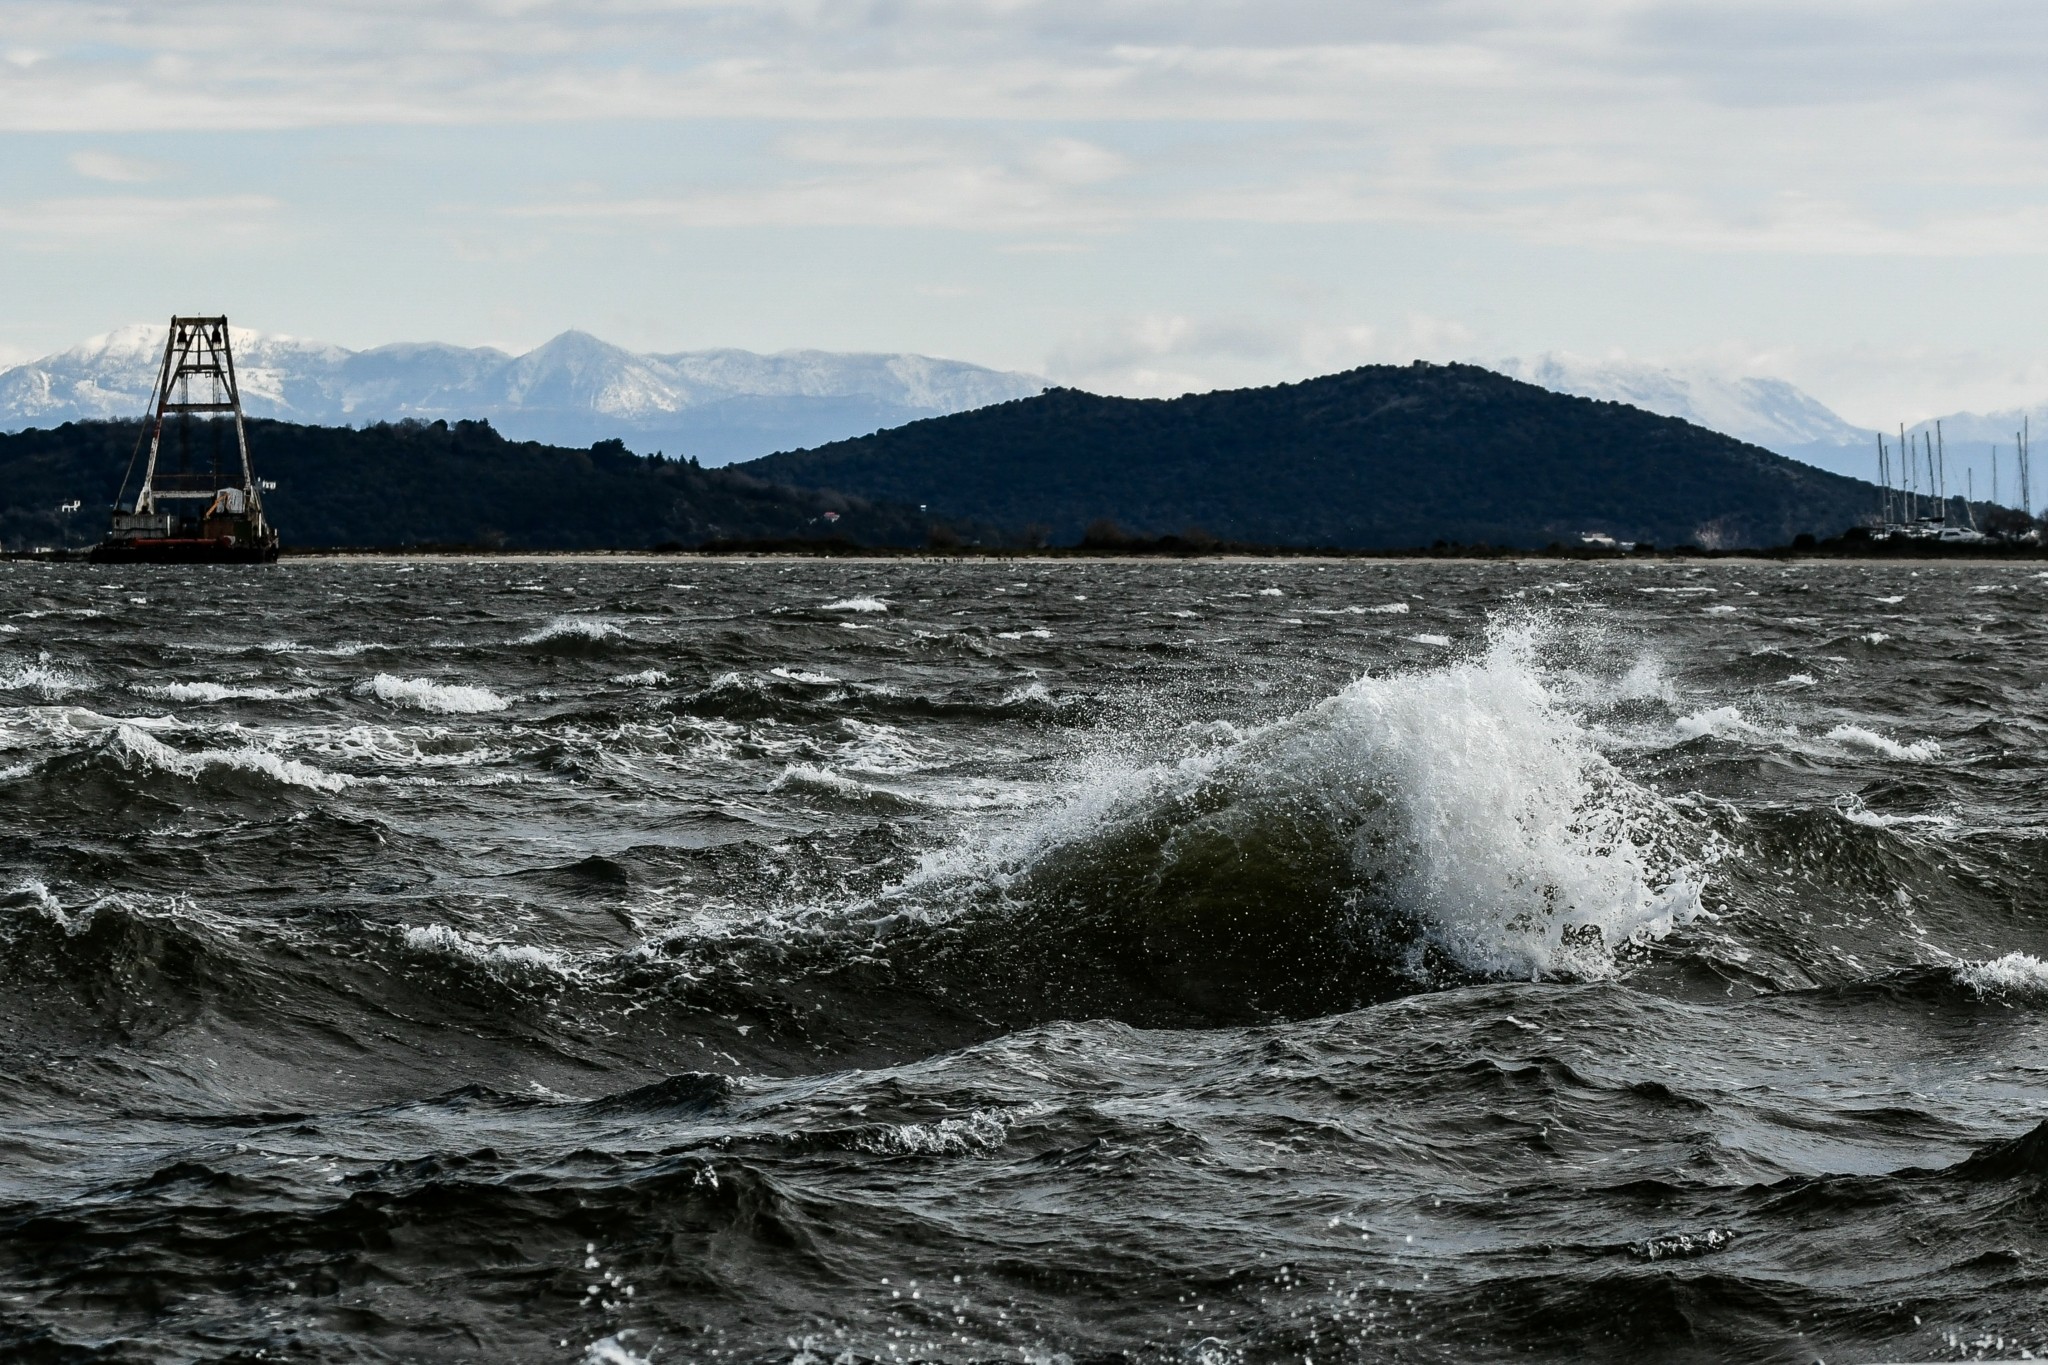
[(572, 628), (1855, 812), (136, 748), (1440, 641), (1875, 637), (210, 692), (1383, 609), (424, 694), (347, 650), (1271, 592), (651, 677), (41, 677), (797, 675), (1039, 634), (812, 780), (982, 1131), (2014, 976), (1856, 737), (498, 957), (856, 604), (1720, 722), (1464, 799), (1799, 680)]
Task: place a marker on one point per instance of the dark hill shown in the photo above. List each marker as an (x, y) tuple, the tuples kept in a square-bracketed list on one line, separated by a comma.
[(1378, 457), (431, 483)]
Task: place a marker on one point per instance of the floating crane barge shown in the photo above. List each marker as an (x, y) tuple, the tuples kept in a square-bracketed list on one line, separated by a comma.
[(193, 506)]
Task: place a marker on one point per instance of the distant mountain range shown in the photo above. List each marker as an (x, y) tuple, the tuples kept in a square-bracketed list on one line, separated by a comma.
[(1779, 417), (718, 406), (723, 406), (1378, 457)]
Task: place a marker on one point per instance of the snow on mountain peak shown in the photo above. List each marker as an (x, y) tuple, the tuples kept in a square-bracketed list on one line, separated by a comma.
[(1763, 411), (574, 388)]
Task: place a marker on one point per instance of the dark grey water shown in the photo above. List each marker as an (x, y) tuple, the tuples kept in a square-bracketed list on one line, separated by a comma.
[(682, 961)]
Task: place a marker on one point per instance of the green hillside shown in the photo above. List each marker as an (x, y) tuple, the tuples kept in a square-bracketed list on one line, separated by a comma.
[(1377, 457), (432, 483)]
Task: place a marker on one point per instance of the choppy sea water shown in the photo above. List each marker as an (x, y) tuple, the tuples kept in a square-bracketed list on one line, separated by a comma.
[(1203, 962)]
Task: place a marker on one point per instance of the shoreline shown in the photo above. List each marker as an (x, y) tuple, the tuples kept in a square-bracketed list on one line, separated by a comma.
[(475, 555)]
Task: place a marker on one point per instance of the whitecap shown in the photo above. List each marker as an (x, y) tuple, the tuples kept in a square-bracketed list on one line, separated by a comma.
[(424, 694), (494, 955), (1720, 722), (1440, 641), (1463, 800), (2016, 975), (210, 692), (1040, 634), (1855, 736), (572, 628), (856, 604), (137, 749), (43, 678), (1855, 812), (651, 677)]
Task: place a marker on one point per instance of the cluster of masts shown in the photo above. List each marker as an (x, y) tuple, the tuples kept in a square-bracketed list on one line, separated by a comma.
[(1916, 502)]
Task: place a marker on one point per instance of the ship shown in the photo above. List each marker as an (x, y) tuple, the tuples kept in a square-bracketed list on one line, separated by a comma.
[(199, 501)]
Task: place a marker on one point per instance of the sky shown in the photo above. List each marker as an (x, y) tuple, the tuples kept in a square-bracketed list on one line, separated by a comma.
[(1133, 196)]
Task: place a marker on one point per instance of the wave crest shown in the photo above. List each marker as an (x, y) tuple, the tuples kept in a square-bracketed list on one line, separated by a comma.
[(424, 694), (1457, 818)]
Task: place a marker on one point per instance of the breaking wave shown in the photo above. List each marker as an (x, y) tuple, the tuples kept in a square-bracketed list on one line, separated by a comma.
[(2014, 976), (42, 678), (133, 747), (1856, 737), (862, 604), (424, 694), (211, 692), (1432, 823), (573, 630)]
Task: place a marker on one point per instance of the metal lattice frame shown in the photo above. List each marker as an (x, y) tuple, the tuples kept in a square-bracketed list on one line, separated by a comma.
[(198, 348)]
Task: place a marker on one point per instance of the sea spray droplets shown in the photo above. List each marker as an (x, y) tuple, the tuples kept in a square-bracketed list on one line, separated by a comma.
[(1461, 800), (2016, 976), (424, 694), (138, 749), (212, 692), (572, 629), (505, 960), (1856, 737)]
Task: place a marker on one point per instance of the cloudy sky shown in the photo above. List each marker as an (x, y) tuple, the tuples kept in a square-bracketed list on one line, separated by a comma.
[(1140, 196)]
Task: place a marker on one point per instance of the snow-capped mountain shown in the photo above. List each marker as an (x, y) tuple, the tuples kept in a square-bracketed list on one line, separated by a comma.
[(719, 406), (1975, 451), (1766, 412)]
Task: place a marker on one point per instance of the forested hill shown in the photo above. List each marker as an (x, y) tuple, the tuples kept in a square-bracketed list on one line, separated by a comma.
[(1383, 456), (432, 483)]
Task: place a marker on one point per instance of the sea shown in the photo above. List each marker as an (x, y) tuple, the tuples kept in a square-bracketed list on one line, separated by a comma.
[(621, 960)]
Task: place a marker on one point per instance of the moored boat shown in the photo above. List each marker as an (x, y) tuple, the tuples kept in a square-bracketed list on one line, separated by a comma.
[(199, 501)]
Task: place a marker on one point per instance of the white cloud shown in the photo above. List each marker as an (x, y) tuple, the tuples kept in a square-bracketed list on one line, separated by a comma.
[(1161, 355), (1792, 126), (94, 164), (62, 222)]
